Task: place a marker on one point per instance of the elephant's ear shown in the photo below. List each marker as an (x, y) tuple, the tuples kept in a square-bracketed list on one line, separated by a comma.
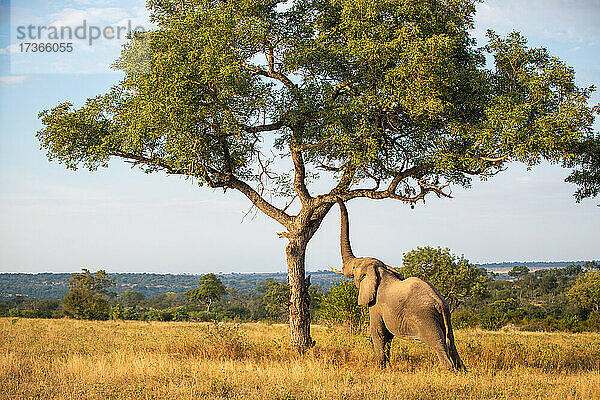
[(366, 281)]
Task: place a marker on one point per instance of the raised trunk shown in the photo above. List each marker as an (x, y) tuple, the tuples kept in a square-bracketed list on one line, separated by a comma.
[(345, 234), (299, 298)]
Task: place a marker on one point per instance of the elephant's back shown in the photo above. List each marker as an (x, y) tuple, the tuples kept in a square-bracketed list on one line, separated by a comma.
[(410, 303)]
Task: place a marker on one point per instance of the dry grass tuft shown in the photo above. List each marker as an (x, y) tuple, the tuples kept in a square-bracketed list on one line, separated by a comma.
[(68, 359)]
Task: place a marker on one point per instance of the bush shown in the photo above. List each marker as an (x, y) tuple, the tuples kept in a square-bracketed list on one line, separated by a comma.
[(464, 318), (180, 314), (158, 315), (203, 316), (235, 313), (593, 322), (340, 306)]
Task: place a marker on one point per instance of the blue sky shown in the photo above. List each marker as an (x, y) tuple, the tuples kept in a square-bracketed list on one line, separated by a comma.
[(123, 220)]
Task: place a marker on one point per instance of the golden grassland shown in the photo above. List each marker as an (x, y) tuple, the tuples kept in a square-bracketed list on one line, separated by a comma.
[(68, 359)]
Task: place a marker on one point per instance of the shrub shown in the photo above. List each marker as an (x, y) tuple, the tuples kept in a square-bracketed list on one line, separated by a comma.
[(340, 306), (464, 318), (202, 316), (158, 315)]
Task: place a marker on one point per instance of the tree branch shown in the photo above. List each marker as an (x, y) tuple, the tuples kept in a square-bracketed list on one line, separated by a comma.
[(226, 180), (342, 85), (299, 174), (272, 74), (263, 128), (263, 205)]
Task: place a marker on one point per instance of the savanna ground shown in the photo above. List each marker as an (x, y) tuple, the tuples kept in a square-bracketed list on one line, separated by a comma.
[(69, 359)]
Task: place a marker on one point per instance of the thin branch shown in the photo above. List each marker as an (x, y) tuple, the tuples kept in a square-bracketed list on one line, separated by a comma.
[(342, 85), (263, 128)]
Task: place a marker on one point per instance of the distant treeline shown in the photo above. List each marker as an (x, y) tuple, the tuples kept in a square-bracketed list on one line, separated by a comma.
[(54, 286), (566, 299), (51, 286)]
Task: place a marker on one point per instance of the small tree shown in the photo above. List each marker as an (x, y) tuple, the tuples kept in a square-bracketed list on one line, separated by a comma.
[(454, 277), (518, 272), (88, 296), (210, 288), (340, 306), (276, 299), (131, 298), (586, 291)]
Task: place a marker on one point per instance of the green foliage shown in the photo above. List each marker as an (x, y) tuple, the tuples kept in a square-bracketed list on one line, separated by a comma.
[(340, 306), (131, 298), (165, 300), (518, 272), (88, 296), (377, 86), (454, 277), (276, 299), (586, 291), (537, 301), (210, 288)]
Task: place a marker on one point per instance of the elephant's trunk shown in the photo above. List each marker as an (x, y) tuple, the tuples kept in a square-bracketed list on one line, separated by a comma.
[(347, 254)]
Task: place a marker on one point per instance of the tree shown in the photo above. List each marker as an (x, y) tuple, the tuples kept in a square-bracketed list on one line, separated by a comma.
[(340, 306), (455, 278), (585, 293), (131, 298), (276, 298), (210, 288), (386, 99), (518, 272), (88, 296)]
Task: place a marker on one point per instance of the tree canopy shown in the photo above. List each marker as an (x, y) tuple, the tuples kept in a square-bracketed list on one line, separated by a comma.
[(453, 276), (210, 288), (519, 272), (586, 291), (387, 98), (366, 90), (88, 296)]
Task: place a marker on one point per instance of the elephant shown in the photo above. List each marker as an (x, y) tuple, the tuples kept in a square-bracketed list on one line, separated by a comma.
[(407, 308)]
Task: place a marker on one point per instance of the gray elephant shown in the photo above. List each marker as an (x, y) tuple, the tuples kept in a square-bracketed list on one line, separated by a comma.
[(408, 308)]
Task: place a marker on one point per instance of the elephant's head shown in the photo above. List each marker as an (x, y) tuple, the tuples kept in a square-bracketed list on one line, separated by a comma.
[(364, 270)]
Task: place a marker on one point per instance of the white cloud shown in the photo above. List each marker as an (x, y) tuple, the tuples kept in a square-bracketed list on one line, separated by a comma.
[(12, 80), (93, 16), (563, 20)]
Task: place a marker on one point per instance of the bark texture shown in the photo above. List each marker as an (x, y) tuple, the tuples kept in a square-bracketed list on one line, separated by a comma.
[(299, 297)]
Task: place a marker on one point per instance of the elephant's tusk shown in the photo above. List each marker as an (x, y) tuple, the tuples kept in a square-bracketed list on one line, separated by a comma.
[(336, 271)]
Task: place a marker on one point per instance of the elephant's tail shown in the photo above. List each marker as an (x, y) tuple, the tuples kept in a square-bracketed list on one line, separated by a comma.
[(458, 364)]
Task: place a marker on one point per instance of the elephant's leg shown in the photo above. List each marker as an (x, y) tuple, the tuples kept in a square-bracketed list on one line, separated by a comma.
[(382, 339), (458, 364), (434, 336)]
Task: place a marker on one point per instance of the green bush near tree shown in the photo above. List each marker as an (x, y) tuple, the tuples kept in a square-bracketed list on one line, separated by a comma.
[(340, 306)]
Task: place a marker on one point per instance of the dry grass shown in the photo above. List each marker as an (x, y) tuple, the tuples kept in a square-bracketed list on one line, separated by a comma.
[(67, 359)]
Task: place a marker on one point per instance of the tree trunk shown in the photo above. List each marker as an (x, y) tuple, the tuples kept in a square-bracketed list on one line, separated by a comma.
[(299, 298)]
